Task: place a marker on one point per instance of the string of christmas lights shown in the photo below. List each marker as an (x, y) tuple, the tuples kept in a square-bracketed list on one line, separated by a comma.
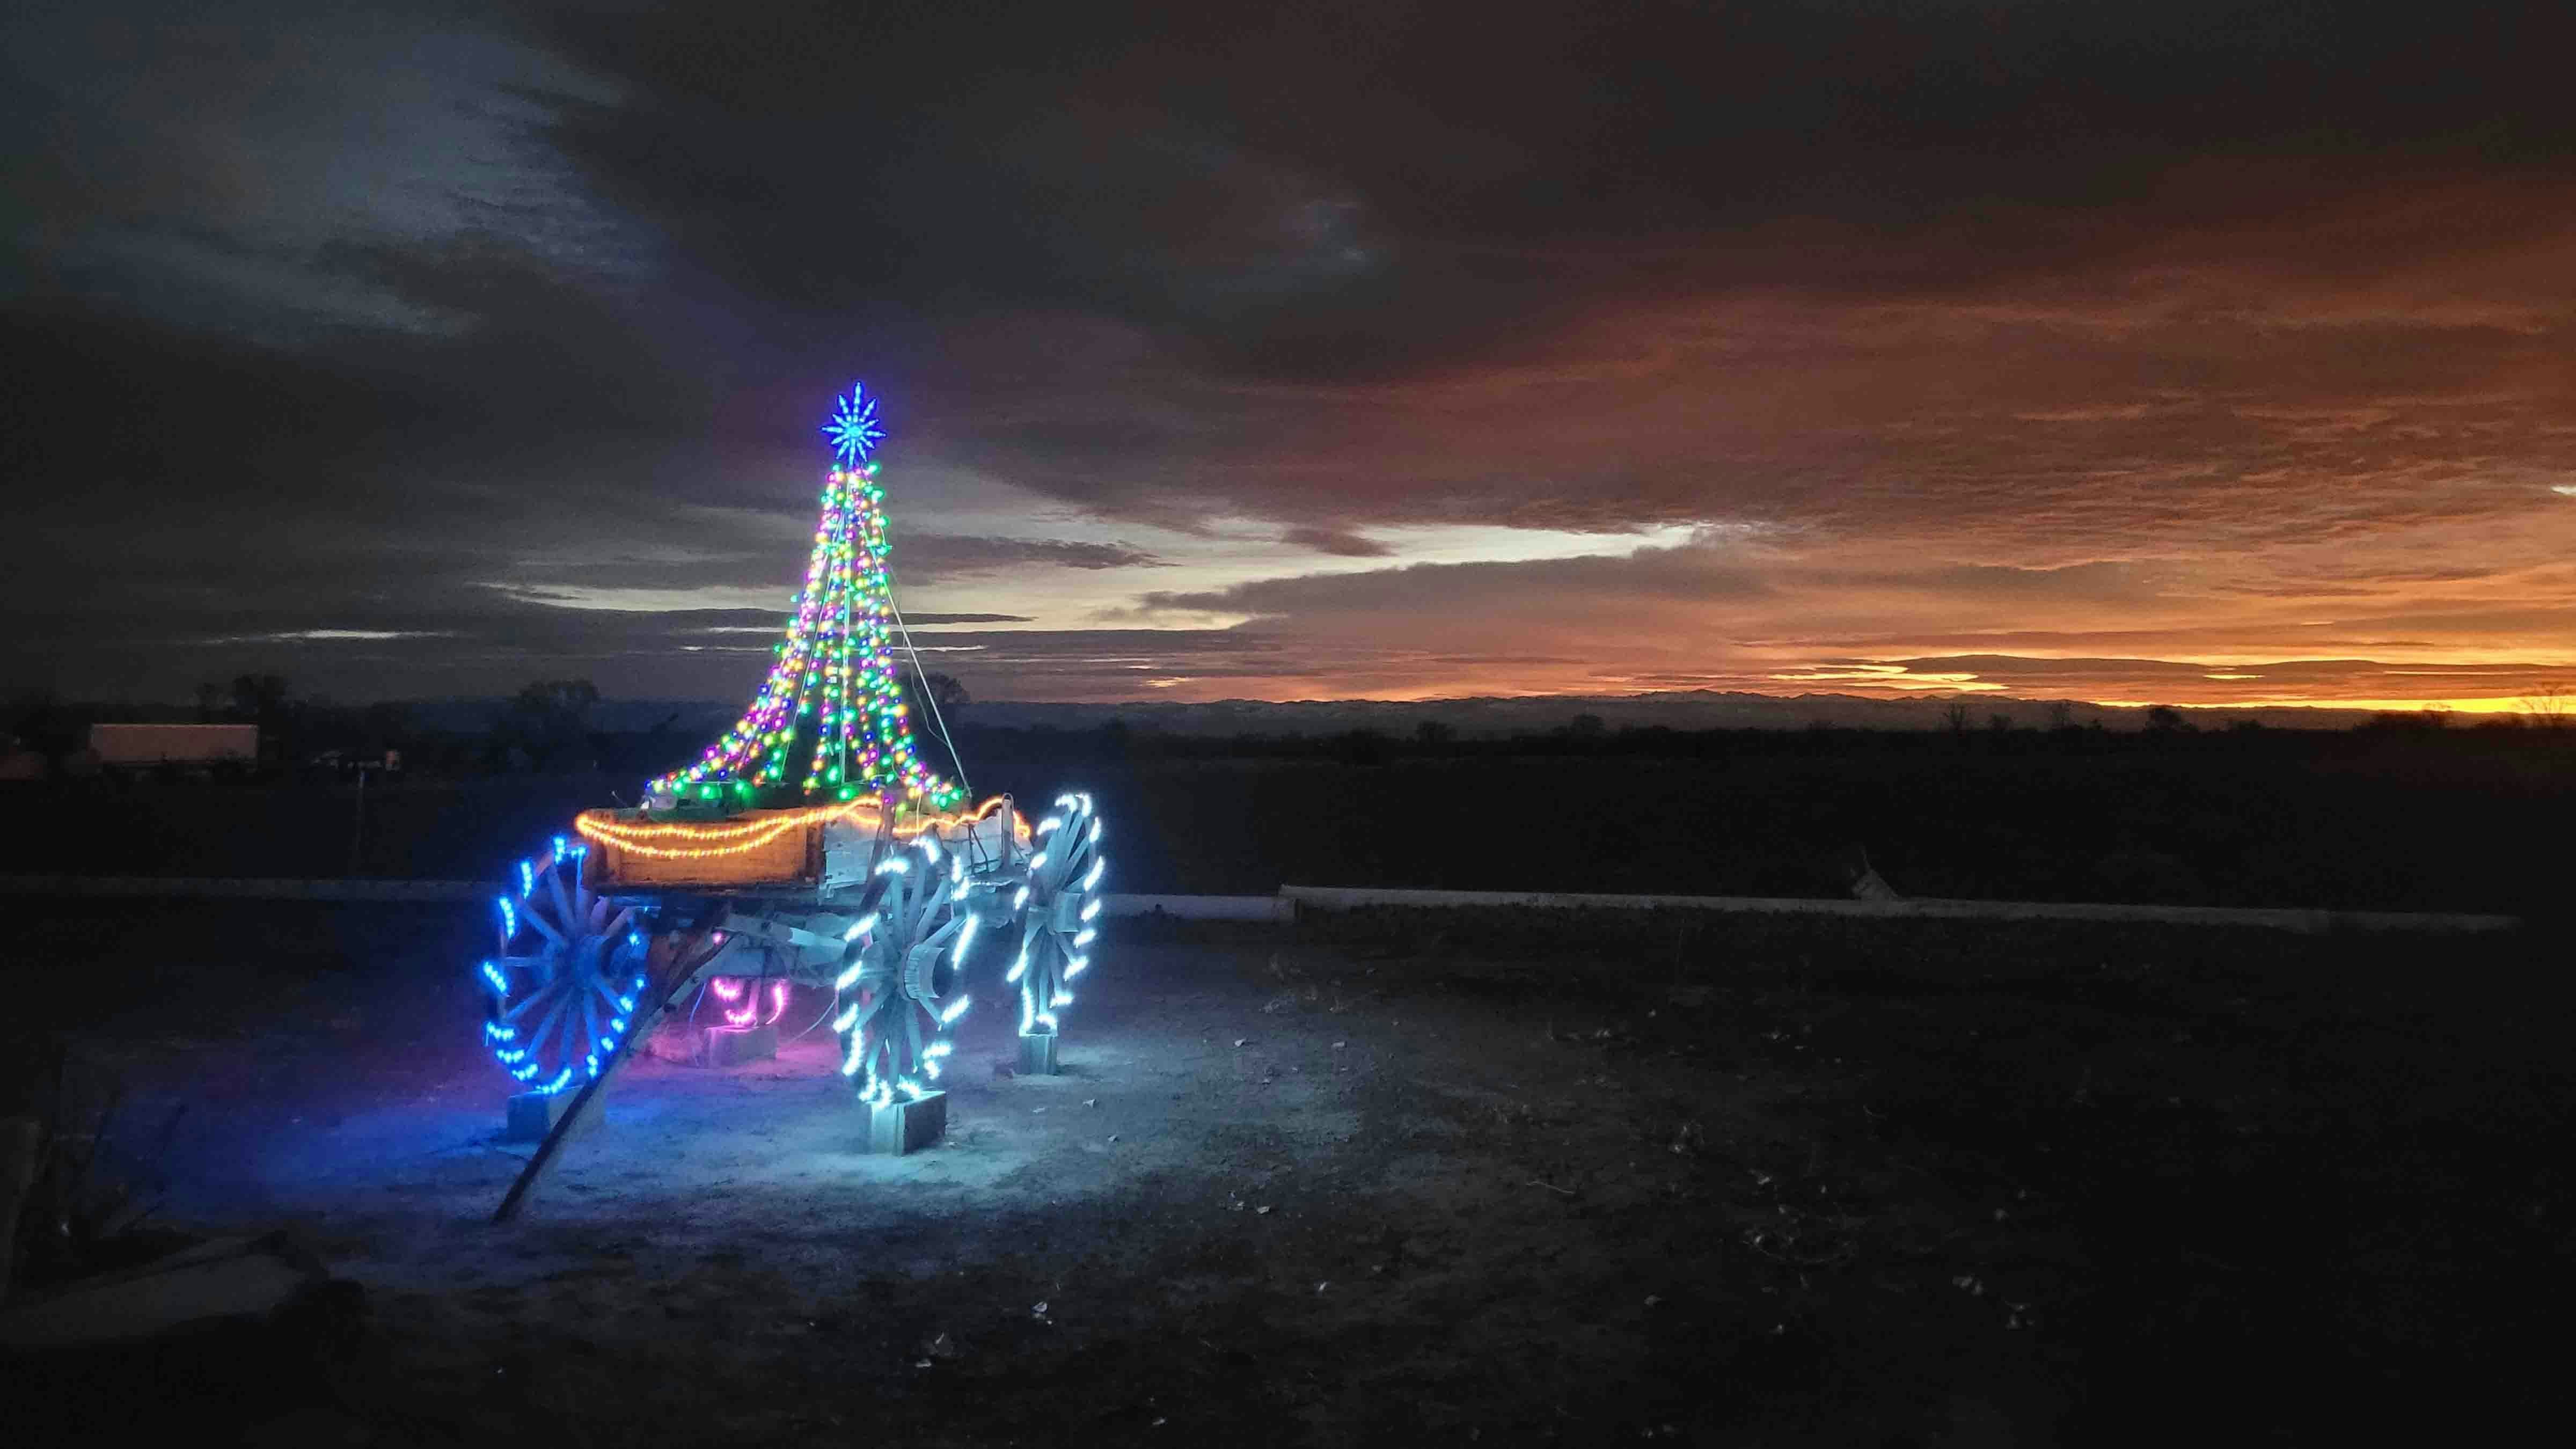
[(703, 840), (831, 714), (580, 933), (555, 998)]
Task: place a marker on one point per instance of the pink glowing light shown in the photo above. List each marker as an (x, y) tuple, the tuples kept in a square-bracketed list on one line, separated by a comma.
[(735, 988)]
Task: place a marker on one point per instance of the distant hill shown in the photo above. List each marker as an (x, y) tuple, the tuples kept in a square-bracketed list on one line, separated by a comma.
[(609, 716), (1482, 716), (1696, 709), (1677, 709)]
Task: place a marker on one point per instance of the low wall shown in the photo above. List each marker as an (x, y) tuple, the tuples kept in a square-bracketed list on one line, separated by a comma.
[(1187, 908), (1285, 905), (1343, 898)]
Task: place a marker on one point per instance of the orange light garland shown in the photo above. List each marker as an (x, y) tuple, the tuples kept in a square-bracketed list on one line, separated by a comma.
[(694, 840)]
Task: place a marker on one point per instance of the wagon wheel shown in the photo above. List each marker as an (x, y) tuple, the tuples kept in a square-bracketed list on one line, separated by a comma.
[(568, 978), (899, 985), (664, 964), (1059, 910)]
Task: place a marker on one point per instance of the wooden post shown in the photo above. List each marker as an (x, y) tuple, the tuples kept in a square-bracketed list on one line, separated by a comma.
[(20, 1138), (358, 826), (1037, 1054)]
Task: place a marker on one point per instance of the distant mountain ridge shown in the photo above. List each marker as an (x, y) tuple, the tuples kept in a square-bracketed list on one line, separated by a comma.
[(1485, 715), (1478, 716), (1675, 709), (472, 716)]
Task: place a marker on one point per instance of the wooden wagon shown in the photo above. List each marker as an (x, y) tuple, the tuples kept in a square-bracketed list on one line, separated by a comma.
[(880, 888)]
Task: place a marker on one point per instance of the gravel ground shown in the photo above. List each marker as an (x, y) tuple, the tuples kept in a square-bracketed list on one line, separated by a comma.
[(1389, 1179)]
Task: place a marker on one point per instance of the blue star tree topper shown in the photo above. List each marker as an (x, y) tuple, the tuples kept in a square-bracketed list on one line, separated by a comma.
[(853, 429)]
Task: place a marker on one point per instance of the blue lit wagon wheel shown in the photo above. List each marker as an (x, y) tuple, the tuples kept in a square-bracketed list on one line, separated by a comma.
[(1059, 912), (568, 977), (900, 986)]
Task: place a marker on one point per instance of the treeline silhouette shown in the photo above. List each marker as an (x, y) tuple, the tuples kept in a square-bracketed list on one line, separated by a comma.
[(549, 728), (2407, 812), (1586, 736)]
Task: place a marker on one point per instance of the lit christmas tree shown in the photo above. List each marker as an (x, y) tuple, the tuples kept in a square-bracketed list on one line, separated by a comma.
[(830, 723)]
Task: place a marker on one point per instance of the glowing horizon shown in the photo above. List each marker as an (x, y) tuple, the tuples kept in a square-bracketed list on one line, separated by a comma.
[(1303, 401)]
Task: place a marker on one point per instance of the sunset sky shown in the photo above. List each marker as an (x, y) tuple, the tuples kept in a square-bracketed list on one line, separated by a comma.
[(2184, 353)]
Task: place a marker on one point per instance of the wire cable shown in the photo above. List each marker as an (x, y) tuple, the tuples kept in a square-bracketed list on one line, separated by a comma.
[(831, 1008), (929, 696)]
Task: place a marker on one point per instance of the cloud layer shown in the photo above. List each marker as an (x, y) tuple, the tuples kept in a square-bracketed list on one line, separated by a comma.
[(2207, 353)]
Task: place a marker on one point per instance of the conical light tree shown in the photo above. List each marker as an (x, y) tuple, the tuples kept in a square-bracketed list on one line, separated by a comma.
[(830, 722)]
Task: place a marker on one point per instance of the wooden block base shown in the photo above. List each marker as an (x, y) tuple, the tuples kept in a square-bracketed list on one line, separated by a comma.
[(534, 1114), (1037, 1054), (732, 1046), (900, 1126)]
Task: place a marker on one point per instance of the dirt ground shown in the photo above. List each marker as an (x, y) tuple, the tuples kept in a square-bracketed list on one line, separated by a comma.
[(1390, 1178)]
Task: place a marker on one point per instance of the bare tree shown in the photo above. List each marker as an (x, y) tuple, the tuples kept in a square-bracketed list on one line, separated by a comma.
[(938, 702), (1955, 715), (943, 690), (259, 697), (548, 717), (555, 708), (2551, 706)]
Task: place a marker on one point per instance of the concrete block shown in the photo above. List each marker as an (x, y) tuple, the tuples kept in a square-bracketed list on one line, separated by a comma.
[(534, 1114), (901, 1126), (732, 1046), (1037, 1054)]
